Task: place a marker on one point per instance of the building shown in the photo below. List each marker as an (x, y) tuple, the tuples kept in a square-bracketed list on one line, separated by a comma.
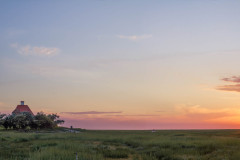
[(22, 108)]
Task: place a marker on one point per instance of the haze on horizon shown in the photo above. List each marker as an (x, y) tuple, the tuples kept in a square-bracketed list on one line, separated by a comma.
[(123, 64)]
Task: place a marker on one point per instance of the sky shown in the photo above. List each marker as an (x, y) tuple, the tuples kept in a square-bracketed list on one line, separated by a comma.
[(140, 64)]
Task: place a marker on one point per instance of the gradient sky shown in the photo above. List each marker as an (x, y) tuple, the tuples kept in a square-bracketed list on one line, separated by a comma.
[(105, 64)]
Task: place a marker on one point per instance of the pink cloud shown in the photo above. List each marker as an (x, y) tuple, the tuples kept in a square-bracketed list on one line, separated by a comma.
[(89, 112), (233, 87), (235, 79)]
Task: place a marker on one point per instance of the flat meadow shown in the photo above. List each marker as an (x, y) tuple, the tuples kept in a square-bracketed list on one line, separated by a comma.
[(124, 145)]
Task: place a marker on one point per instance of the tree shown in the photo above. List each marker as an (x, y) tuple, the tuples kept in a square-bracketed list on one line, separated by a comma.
[(43, 121), (22, 120), (8, 122), (25, 119), (54, 118), (2, 116)]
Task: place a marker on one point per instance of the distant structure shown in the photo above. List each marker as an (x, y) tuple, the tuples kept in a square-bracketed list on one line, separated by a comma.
[(22, 108)]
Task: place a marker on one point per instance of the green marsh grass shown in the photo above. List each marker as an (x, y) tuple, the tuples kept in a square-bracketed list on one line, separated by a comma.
[(124, 145)]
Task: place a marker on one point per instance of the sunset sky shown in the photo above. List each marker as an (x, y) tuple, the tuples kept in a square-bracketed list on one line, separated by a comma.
[(140, 64)]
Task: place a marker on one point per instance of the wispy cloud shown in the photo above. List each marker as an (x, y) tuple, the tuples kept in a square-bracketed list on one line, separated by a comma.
[(90, 112), (134, 37), (134, 115), (234, 87), (35, 50), (196, 109), (235, 79), (195, 112)]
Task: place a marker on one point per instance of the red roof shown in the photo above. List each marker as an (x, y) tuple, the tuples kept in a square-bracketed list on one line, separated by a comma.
[(22, 108)]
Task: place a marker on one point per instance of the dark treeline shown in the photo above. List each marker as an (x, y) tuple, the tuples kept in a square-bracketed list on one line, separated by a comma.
[(26, 120)]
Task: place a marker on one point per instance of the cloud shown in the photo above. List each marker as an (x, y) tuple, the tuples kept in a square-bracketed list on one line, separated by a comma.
[(89, 112), (134, 115), (196, 112), (193, 109), (135, 37), (34, 50), (234, 87), (235, 79)]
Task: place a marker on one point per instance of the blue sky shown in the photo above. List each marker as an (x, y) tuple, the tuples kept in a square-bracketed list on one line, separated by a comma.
[(77, 26), (133, 57)]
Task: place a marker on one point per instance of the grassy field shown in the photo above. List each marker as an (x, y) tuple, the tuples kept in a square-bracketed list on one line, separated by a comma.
[(110, 145)]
